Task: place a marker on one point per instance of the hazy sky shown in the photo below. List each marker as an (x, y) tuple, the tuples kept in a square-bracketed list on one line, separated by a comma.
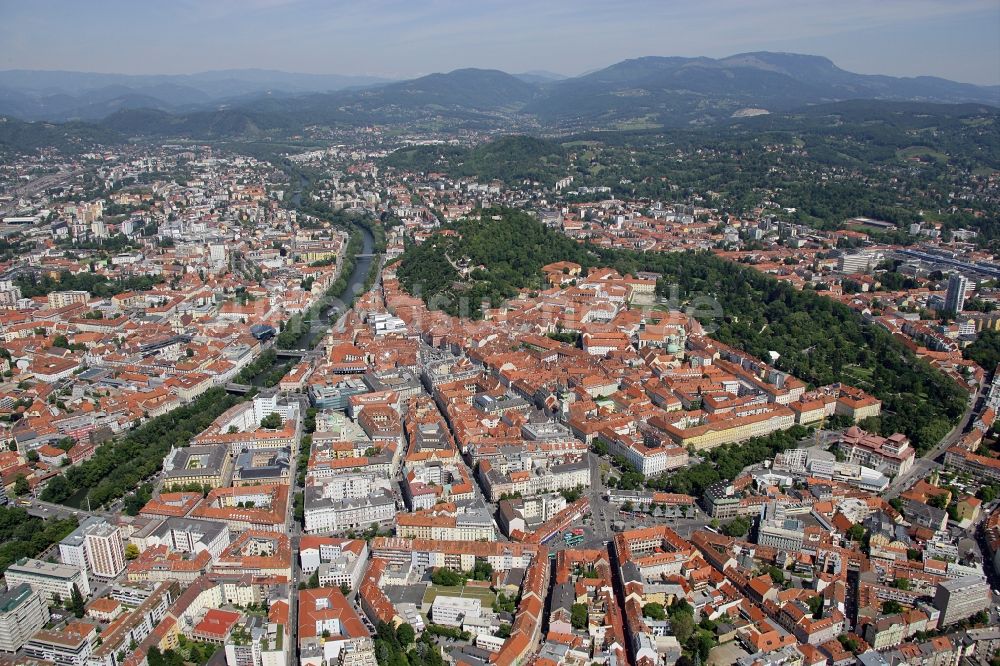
[(956, 39)]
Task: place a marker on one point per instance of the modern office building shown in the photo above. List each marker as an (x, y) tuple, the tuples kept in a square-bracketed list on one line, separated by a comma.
[(781, 533), (48, 579), (856, 262), (961, 598), (189, 535), (22, 613)]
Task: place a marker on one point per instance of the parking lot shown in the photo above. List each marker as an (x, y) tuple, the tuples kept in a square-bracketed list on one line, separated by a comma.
[(726, 654)]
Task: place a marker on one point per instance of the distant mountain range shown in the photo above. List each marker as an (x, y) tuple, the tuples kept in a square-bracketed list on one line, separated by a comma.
[(57, 96), (633, 94), (679, 91)]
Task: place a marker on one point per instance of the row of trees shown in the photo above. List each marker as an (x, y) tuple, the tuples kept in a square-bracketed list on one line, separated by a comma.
[(119, 467), (187, 652), (720, 464), (725, 462), (263, 368)]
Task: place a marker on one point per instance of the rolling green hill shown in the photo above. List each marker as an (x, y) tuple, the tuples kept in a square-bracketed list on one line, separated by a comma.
[(510, 159), (17, 136)]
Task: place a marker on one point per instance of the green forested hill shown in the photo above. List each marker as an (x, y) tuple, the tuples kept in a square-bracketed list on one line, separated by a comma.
[(511, 250), (17, 136), (819, 340), (510, 159)]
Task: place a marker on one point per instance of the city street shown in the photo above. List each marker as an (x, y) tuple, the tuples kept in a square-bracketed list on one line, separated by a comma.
[(929, 461)]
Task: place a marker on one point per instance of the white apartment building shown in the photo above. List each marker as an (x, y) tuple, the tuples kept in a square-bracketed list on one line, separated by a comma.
[(61, 299), (105, 550), (961, 598), (189, 535), (69, 646), (535, 481), (348, 486), (73, 548)]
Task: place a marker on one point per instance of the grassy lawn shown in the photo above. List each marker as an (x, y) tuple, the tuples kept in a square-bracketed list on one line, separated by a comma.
[(858, 371), (922, 151), (485, 595), (861, 376)]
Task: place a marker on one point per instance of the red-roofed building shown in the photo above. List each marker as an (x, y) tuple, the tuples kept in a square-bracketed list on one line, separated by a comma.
[(328, 621), (216, 626)]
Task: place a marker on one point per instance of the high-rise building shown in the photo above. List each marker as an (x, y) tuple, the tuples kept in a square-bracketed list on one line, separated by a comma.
[(961, 598), (22, 613), (73, 548), (96, 546), (105, 550), (954, 300)]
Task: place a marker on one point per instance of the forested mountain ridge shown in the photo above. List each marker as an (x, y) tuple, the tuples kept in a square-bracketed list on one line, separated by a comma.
[(819, 340), (673, 92), (643, 92)]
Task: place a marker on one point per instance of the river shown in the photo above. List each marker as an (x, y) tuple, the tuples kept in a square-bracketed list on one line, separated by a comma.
[(355, 282)]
